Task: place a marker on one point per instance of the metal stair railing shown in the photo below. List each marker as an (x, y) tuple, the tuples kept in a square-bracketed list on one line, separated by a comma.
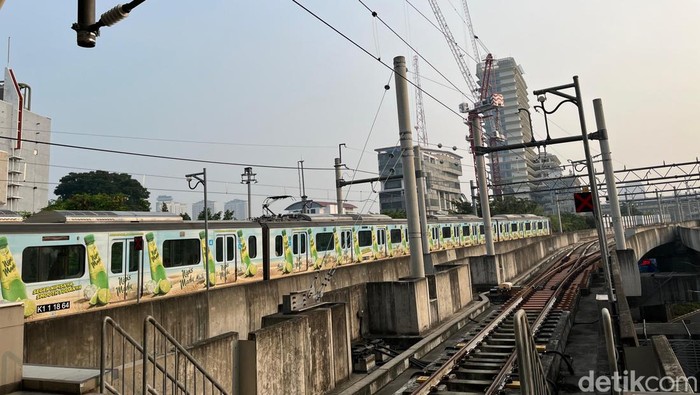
[(185, 365), (533, 380), (111, 382)]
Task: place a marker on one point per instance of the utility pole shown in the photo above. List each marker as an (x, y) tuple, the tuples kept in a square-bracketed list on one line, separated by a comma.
[(420, 181), (248, 177), (302, 186), (620, 241), (338, 177), (472, 188), (409, 169), (559, 214), (481, 179)]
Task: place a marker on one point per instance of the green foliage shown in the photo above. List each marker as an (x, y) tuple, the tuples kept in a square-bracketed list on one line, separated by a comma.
[(164, 208), (513, 205), (395, 213), (572, 222), (210, 216), (111, 191), (463, 207), (629, 209), (186, 217), (96, 202), (228, 215)]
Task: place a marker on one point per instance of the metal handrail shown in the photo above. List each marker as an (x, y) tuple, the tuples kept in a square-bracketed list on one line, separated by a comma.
[(531, 373), (610, 343), (179, 350), (104, 385)]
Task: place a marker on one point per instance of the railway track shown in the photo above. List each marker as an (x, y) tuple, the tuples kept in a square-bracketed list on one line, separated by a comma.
[(484, 361)]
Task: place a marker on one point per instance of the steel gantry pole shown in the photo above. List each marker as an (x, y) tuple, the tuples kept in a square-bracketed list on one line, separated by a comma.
[(620, 241), (409, 169), (481, 180)]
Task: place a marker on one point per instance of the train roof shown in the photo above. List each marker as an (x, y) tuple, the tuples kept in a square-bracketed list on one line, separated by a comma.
[(67, 216), (517, 216), (10, 216)]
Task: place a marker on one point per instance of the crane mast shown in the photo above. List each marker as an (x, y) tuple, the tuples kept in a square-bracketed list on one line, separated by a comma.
[(421, 131)]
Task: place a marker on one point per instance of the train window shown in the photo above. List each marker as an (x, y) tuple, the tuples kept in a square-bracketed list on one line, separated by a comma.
[(528, 226), (466, 230), (364, 238), (456, 230), (182, 252), (481, 229), (278, 245), (324, 241), (539, 225), (230, 248), (117, 257), (395, 235), (53, 263), (405, 234), (219, 249), (252, 247), (435, 232), (295, 244), (446, 232), (513, 227), (303, 243)]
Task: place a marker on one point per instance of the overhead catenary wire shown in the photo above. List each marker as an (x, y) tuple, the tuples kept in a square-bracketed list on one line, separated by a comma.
[(361, 48)]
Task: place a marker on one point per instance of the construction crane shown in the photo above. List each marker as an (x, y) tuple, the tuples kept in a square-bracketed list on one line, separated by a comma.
[(421, 131), (473, 87)]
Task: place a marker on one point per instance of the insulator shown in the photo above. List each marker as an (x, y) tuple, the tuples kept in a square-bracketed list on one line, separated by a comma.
[(113, 16)]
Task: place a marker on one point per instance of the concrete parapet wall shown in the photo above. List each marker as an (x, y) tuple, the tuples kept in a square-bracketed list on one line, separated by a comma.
[(669, 365), (398, 307), (11, 340), (645, 239), (690, 236)]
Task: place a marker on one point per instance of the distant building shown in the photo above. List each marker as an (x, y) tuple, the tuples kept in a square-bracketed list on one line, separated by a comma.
[(442, 170), (198, 207), (548, 179), (319, 207), (24, 165), (238, 207), (513, 125), (170, 205)]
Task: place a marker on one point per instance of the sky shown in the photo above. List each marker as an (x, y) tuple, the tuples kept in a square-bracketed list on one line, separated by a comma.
[(266, 84)]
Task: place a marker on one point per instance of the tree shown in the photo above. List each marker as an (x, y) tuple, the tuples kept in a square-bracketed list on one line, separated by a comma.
[(463, 207), (186, 217), (164, 208), (94, 202), (513, 205), (572, 222), (210, 216), (395, 213), (228, 215), (110, 191)]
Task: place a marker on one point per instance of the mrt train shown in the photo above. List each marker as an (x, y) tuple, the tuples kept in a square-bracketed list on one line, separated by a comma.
[(63, 262)]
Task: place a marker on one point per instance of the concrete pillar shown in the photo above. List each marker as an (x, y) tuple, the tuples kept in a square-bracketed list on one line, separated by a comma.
[(629, 272), (11, 346), (398, 307)]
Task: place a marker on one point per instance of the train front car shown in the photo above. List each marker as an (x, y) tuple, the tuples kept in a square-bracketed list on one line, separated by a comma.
[(62, 262)]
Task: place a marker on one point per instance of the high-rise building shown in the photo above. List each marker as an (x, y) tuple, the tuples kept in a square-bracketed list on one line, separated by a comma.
[(24, 165), (238, 207), (198, 208), (551, 188), (512, 124), (170, 205), (442, 170)]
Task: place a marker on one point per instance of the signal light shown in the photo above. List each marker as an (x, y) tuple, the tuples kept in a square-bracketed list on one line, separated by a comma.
[(138, 243)]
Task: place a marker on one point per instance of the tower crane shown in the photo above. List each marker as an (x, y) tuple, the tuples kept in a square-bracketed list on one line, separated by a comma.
[(421, 131), (494, 137), (473, 87)]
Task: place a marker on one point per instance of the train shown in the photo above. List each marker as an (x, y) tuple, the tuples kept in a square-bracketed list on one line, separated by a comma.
[(63, 262)]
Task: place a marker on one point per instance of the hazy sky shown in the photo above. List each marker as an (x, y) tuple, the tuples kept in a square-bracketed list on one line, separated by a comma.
[(263, 83)]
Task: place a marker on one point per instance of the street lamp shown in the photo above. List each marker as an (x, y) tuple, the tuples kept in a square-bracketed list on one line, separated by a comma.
[(202, 179), (246, 178)]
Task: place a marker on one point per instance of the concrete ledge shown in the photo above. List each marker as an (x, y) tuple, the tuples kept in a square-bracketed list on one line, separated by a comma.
[(669, 365), (628, 335), (398, 307), (392, 369)]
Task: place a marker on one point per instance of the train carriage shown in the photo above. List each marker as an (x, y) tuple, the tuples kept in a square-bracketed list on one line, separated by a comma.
[(65, 262)]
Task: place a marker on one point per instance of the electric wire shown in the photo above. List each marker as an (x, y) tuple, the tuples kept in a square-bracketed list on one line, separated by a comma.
[(376, 16), (373, 57)]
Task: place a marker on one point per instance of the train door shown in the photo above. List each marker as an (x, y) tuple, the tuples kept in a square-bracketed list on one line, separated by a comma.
[(345, 236), (124, 266), (226, 256), (300, 248), (380, 251)]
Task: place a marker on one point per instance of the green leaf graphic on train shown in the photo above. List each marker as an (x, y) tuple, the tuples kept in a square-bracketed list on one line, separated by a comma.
[(98, 294), (12, 286), (158, 275), (318, 263), (208, 258), (288, 256), (250, 268)]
